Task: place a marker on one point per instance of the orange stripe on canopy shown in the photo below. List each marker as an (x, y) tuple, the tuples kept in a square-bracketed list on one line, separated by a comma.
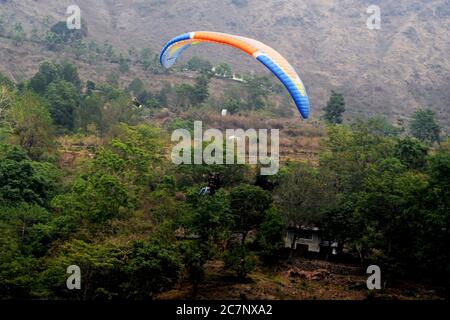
[(225, 39)]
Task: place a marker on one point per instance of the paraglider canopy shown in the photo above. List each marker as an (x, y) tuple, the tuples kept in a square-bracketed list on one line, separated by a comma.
[(268, 56)]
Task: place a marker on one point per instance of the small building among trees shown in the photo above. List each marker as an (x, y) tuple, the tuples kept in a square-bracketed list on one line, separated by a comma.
[(308, 239)]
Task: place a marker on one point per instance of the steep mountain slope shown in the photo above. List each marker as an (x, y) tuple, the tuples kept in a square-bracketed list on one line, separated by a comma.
[(390, 71)]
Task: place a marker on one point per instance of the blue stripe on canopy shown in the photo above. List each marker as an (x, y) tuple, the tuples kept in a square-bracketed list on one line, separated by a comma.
[(301, 102)]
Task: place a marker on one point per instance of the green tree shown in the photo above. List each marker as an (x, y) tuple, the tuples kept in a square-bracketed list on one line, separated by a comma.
[(90, 87), (148, 99), (195, 257), (53, 41), (209, 219), (200, 90), (80, 49), (98, 197), (352, 156), (152, 267), (240, 259), (52, 72), (146, 54), (18, 34), (249, 205), (257, 90), (89, 112), (434, 232), (304, 195), (17, 270), (123, 65), (193, 95), (424, 126), (349, 153), (6, 102), (199, 65), (232, 105), (388, 202), (31, 226), (69, 72), (147, 58), (113, 78), (48, 73), (136, 87), (119, 110), (63, 101), (6, 82), (412, 153), (335, 108), (118, 176), (224, 70), (100, 264), (391, 206), (69, 35), (270, 236), (380, 126), (24, 180), (32, 127), (183, 94)]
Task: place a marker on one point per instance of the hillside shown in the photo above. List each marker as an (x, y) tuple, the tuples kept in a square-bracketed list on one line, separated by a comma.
[(391, 71), (300, 279), (110, 191)]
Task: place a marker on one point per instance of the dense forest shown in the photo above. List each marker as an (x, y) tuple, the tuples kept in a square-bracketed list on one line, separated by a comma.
[(136, 224)]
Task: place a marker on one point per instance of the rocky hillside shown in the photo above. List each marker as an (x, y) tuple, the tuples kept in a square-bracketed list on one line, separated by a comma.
[(390, 71)]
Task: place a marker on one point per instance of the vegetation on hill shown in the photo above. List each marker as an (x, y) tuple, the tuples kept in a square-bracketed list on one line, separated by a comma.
[(389, 72), (85, 179)]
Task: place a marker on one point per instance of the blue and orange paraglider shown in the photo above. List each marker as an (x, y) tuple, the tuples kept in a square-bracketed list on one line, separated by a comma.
[(261, 52)]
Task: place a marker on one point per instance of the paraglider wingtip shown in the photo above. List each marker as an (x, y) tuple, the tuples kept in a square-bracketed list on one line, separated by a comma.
[(304, 115)]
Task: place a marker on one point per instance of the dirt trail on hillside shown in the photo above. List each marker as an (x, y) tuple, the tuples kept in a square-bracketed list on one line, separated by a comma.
[(300, 279)]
